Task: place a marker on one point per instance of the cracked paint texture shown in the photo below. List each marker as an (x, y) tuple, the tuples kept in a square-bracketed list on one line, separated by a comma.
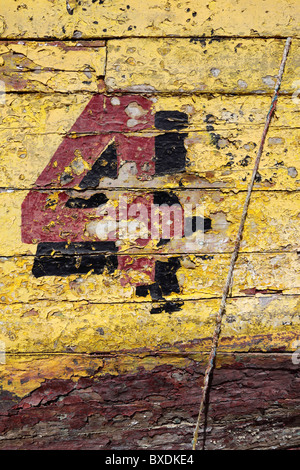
[(106, 344), (161, 18)]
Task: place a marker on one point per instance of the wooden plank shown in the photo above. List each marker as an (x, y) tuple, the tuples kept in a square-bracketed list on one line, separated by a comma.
[(222, 139), (103, 344), (261, 323), (44, 19), (210, 66), (148, 65), (165, 279), (272, 223), (63, 67), (142, 401), (214, 159), (56, 113)]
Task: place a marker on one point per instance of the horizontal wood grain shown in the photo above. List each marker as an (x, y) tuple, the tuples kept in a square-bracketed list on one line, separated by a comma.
[(192, 277), (257, 323), (141, 400), (43, 19)]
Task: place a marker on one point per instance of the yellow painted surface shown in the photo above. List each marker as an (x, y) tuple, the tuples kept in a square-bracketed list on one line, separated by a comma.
[(148, 65), (44, 18), (187, 65), (38, 113), (221, 159), (41, 114), (272, 223), (24, 373), (52, 66), (197, 278), (82, 327), (216, 61), (57, 56), (218, 158)]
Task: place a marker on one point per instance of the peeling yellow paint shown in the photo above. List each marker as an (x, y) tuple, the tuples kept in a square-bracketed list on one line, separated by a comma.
[(270, 272), (216, 61), (272, 223), (42, 18), (222, 142), (191, 64), (258, 323), (56, 113), (52, 66)]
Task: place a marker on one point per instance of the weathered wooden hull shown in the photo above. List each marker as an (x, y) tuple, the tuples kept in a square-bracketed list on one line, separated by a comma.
[(141, 400), (103, 345)]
